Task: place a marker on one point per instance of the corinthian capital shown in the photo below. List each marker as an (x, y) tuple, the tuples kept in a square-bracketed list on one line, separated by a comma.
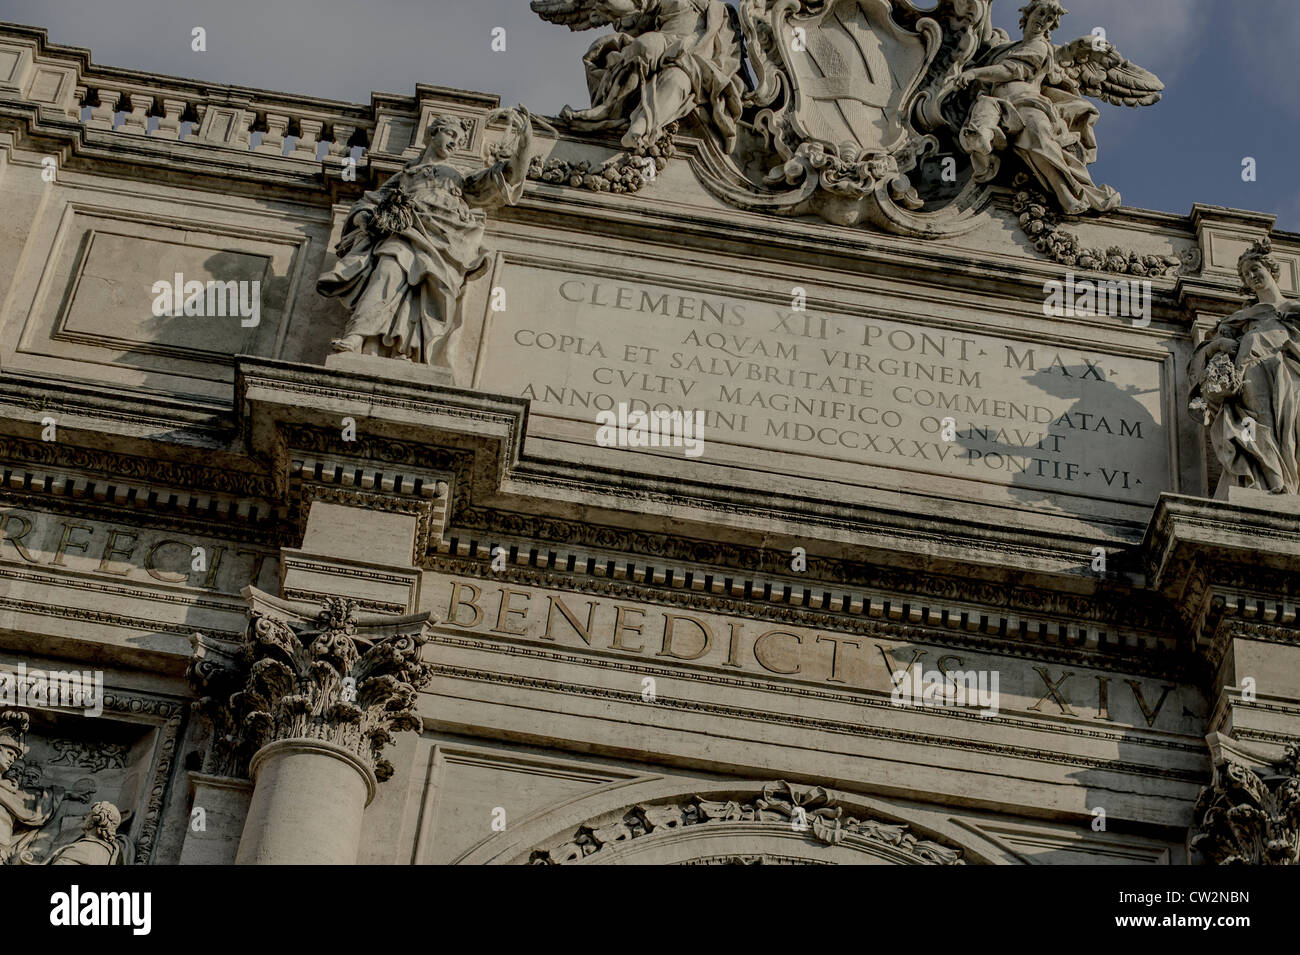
[(335, 676), (1250, 814)]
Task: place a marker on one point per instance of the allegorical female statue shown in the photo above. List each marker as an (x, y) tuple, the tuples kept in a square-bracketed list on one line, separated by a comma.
[(1245, 381), (1029, 101), (666, 59), (408, 246)]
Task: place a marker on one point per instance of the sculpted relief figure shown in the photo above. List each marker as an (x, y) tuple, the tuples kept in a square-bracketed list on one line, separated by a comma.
[(408, 246), (1030, 99), (1245, 382), (34, 819), (99, 844), (665, 60), (22, 812)]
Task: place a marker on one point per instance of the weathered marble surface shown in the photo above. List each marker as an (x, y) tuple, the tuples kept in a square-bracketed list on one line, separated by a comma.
[(408, 246), (1246, 384), (666, 60), (841, 384), (585, 571), (1028, 102)]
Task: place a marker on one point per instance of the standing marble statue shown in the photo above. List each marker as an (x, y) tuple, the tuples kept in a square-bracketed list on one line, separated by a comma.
[(665, 60), (1245, 382), (408, 246), (1028, 100)]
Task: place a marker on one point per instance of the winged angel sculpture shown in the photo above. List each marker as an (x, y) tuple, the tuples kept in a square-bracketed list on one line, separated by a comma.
[(1030, 98), (853, 103), (665, 60)]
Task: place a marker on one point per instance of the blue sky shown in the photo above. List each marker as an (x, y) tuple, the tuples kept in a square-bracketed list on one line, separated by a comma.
[(1229, 67)]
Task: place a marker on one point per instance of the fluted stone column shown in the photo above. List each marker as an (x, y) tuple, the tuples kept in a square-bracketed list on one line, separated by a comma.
[(307, 705)]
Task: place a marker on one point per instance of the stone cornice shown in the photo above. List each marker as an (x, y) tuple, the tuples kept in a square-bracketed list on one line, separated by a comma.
[(971, 744), (1233, 571), (1203, 213), (404, 422), (1232, 535), (1023, 622), (127, 415), (505, 675), (454, 458)]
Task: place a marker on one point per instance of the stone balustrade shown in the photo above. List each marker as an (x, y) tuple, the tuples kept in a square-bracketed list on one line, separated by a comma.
[(227, 117), (63, 84)]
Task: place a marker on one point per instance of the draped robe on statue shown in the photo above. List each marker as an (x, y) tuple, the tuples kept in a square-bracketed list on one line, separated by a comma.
[(405, 286), (1256, 432), (694, 36), (1049, 128), (22, 814)]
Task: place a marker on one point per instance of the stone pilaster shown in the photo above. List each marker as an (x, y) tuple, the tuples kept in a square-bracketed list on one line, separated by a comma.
[(1250, 814), (304, 706), (1231, 571)]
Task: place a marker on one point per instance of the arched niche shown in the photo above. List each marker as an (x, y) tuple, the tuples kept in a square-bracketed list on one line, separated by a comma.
[(660, 821)]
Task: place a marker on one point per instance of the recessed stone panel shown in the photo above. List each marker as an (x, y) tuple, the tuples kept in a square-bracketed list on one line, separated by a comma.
[(112, 302), (826, 390), (108, 296)]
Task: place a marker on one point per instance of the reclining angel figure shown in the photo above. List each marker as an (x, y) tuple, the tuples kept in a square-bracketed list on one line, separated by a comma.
[(1031, 99), (665, 60)]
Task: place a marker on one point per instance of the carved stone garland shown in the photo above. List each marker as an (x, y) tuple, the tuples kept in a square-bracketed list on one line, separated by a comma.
[(1043, 227), (781, 804), (627, 171)]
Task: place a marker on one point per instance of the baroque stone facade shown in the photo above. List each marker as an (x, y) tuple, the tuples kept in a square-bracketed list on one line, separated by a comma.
[(693, 477)]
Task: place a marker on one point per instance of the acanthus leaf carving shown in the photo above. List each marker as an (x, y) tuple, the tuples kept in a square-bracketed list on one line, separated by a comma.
[(337, 677), (1250, 813)]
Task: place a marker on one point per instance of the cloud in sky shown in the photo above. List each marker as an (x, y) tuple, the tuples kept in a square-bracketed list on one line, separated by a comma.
[(1161, 35), (1260, 54)]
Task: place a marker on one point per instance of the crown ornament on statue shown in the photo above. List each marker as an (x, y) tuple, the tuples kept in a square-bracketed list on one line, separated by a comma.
[(13, 727)]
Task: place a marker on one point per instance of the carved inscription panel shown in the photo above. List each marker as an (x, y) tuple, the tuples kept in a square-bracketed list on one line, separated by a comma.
[(898, 671), (32, 539), (870, 400)]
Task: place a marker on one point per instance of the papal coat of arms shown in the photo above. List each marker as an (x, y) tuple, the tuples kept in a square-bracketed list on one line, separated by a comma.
[(859, 111)]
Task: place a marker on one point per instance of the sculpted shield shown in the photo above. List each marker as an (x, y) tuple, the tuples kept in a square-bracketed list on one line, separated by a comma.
[(837, 85), (853, 72)]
